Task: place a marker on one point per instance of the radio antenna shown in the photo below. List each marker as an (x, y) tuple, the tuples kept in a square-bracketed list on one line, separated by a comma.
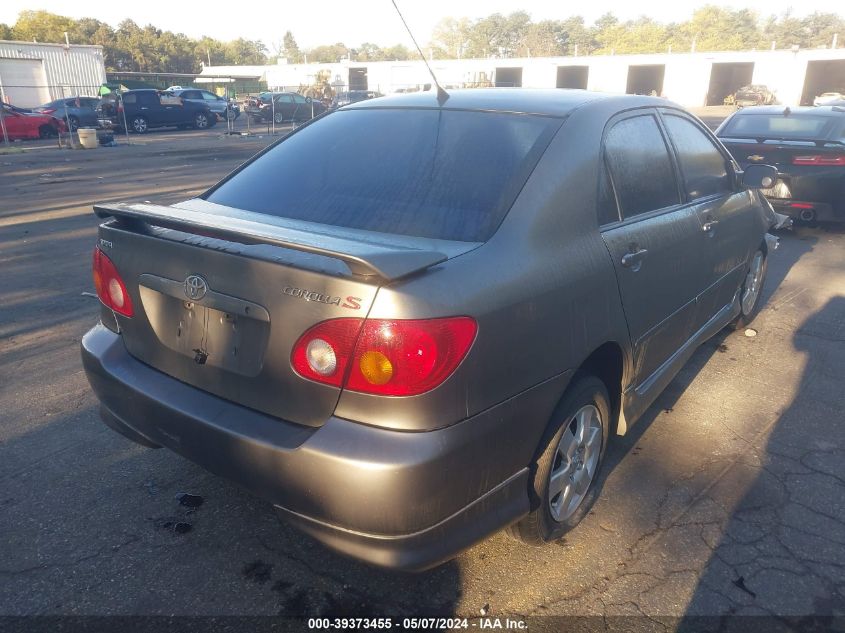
[(442, 95)]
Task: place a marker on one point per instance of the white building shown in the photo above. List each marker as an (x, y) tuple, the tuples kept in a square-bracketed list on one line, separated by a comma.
[(691, 79), (32, 74)]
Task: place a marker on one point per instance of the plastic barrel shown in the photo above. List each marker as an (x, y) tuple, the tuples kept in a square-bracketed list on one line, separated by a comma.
[(87, 138)]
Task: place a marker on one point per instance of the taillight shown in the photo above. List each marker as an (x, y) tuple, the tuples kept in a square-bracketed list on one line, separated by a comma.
[(385, 357), (120, 108), (110, 287), (821, 160), (48, 111), (323, 352)]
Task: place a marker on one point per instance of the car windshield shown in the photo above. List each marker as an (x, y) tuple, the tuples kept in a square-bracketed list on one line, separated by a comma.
[(428, 173), (777, 126)]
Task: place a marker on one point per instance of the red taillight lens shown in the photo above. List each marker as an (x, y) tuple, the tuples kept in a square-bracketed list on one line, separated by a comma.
[(385, 357), (110, 287), (821, 160), (120, 108)]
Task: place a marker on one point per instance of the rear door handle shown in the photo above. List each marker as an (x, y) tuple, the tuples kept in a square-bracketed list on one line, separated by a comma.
[(634, 260), (708, 227)]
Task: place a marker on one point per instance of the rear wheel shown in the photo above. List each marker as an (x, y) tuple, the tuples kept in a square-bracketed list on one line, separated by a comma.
[(751, 292), (139, 125), (74, 123), (47, 131), (201, 121), (564, 475), (278, 118)]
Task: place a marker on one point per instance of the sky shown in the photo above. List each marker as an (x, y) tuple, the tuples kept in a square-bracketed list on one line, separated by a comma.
[(355, 21)]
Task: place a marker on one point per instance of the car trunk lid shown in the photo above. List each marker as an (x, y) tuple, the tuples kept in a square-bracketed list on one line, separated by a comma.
[(221, 296)]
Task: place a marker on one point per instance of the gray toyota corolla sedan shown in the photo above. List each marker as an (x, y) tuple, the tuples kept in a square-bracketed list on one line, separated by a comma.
[(408, 325)]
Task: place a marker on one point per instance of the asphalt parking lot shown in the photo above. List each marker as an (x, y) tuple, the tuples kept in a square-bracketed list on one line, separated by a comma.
[(728, 497)]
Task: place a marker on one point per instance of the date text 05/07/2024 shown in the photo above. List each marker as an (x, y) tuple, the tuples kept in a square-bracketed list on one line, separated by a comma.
[(430, 624)]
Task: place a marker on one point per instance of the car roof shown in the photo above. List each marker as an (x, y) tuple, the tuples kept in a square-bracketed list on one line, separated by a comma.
[(550, 102), (797, 111)]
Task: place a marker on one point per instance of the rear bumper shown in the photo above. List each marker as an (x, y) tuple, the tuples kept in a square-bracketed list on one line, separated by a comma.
[(821, 211), (394, 499)]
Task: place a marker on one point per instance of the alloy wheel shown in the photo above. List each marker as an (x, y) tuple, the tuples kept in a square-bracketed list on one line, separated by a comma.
[(575, 462)]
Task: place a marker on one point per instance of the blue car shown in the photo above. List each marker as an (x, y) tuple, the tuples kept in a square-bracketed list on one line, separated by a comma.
[(79, 111)]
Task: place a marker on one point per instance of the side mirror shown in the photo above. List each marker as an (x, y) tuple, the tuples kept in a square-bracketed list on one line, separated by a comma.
[(759, 176)]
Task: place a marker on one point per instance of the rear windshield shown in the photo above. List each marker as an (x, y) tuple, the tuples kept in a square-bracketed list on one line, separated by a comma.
[(442, 174), (777, 126)]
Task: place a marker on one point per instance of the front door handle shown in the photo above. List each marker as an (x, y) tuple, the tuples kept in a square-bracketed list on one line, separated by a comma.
[(634, 260), (708, 227)]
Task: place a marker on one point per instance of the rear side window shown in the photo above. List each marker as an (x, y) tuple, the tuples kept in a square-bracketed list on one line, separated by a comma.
[(640, 167), (132, 98), (441, 174), (703, 165)]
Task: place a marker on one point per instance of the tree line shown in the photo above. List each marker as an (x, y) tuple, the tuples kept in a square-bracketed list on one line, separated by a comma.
[(131, 47), (711, 28)]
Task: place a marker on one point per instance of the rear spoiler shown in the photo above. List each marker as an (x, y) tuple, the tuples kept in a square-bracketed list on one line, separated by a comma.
[(367, 258)]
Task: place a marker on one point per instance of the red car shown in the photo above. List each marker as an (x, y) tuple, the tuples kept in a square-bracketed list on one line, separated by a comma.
[(21, 124)]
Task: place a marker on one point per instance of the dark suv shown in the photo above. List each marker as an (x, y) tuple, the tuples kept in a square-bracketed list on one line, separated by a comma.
[(145, 109), (219, 106), (406, 346)]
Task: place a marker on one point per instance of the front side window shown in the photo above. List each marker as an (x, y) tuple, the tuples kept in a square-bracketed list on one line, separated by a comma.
[(640, 167), (299, 99), (209, 97), (444, 174), (703, 165)]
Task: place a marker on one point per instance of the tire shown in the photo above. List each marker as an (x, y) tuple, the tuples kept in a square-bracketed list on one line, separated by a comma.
[(139, 125), (201, 121), (556, 510), (74, 123), (47, 131), (279, 118), (751, 291)]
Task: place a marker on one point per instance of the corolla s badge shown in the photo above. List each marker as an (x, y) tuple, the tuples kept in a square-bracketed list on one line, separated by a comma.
[(195, 287)]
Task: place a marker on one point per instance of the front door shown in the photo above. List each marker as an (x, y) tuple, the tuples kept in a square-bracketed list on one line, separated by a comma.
[(655, 243), (723, 206)]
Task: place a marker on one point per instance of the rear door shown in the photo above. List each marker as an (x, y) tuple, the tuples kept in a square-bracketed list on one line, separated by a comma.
[(174, 109), (655, 241), (148, 105), (726, 210)]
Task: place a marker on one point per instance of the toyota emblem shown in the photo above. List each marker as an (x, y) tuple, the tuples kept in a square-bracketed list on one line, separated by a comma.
[(195, 287)]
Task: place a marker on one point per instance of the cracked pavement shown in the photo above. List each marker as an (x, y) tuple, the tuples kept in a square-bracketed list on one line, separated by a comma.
[(728, 497)]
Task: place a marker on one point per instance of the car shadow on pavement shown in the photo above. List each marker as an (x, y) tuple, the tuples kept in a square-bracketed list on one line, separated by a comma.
[(779, 511)]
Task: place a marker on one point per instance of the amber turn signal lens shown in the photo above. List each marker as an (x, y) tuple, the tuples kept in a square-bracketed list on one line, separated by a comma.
[(376, 368)]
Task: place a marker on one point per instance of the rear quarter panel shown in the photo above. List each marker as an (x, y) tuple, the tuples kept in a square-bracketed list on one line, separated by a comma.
[(542, 289)]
